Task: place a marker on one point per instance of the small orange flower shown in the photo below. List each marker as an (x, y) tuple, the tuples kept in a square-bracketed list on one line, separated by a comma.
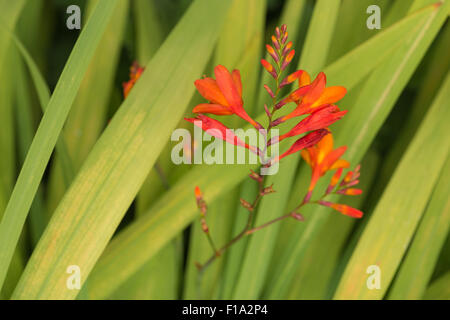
[(135, 72), (322, 158), (316, 96), (224, 94)]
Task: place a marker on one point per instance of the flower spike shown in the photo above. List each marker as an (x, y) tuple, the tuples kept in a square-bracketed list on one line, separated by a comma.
[(314, 100)]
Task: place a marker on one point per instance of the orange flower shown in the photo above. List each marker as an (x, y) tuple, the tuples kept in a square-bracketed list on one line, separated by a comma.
[(322, 158), (224, 94), (316, 96), (135, 72)]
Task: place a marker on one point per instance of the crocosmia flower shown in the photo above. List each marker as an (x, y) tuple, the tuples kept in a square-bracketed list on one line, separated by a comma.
[(316, 110), (317, 95), (224, 95), (322, 158)]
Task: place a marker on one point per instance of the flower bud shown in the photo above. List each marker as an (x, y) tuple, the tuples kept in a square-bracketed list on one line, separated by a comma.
[(297, 216), (246, 205)]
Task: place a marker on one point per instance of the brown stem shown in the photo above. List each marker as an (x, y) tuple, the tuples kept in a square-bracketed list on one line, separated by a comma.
[(267, 224), (251, 210)]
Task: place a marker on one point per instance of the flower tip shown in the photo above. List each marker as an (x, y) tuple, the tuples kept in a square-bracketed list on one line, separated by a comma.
[(297, 216), (190, 119), (198, 192), (350, 192), (437, 4)]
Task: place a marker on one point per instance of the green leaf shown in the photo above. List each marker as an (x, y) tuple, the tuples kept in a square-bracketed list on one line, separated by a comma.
[(439, 289), (46, 136), (43, 93), (392, 224), (418, 264), (84, 123), (119, 162), (25, 132), (149, 33)]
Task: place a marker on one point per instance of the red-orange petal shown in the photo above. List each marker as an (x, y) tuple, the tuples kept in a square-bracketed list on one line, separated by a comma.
[(216, 109), (340, 164), (332, 157), (209, 89), (127, 86), (236, 75), (305, 142), (227, 86), (347, 210), (198, 193), (330, 95), (336, 177), (351, 192), (304, 79), (317, 88), (219, 130), (319, 119)]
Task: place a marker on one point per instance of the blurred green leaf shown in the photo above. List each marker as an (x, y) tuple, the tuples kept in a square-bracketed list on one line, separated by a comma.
[(46, 136), (439, 289), (392, 225), (119, 162), (417, 266)]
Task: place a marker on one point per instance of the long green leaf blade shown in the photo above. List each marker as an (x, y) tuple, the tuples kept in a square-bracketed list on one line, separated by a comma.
[(47, 134), (119, 162), (417, 267), (391, 227)]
